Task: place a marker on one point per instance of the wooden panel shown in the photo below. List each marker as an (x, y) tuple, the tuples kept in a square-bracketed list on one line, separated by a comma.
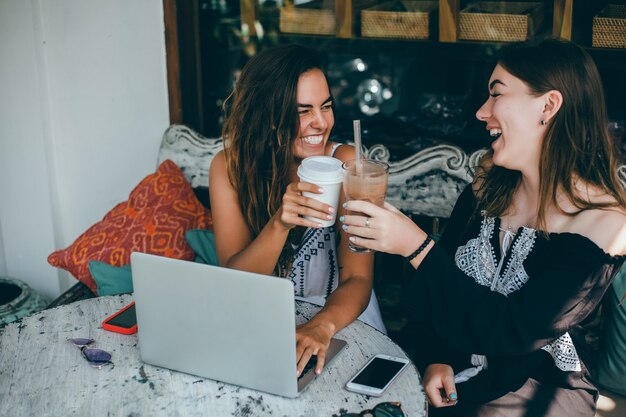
[(248, 15), (562, 21), (173, 61), (448, 20), (344, 16), (190, 61)]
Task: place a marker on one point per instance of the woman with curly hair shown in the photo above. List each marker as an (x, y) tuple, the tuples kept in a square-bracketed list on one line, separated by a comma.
[(280, 112)]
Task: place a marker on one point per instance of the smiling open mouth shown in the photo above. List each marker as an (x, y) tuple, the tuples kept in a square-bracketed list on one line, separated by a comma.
[(313, 140), (495, 133)]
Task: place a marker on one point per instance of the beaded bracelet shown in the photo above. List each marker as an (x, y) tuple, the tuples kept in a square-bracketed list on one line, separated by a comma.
[(420, 249)]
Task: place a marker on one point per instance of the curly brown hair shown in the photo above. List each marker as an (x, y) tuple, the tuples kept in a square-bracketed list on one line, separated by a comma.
[(259, 131)]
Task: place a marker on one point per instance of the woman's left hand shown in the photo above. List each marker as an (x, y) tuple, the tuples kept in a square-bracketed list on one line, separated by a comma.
[(384, 229), (439, 385), (312, 339)]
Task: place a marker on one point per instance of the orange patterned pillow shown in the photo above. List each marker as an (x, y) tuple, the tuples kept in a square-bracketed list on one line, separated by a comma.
[(154, 220)]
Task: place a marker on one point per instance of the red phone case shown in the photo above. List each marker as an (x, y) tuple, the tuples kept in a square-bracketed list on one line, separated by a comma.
[(118, 329)]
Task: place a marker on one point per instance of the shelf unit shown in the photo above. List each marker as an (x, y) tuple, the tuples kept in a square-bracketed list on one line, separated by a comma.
[(448, 18), (210, 33)]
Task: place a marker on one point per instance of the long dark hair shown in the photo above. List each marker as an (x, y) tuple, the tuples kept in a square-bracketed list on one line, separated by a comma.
[(577, 144), (260, 128)]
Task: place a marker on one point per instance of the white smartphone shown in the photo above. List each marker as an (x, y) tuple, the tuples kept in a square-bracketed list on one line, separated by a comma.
[(377, 374)]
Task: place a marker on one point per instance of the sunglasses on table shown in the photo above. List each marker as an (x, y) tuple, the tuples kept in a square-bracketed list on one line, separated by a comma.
[(96, 357), (386, 409)]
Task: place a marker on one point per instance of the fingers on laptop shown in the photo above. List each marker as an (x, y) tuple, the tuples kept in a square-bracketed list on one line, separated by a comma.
[(311, 339), (321, 359), (302, 359)]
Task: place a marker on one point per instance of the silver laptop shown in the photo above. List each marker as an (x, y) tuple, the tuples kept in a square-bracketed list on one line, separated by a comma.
[(223, 324)]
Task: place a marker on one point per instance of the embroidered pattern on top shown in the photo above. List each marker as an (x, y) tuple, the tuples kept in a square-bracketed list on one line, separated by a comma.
[(477, 259), (315, 255)]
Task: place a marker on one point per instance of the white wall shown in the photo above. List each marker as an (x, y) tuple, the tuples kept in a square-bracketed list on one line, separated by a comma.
[(83, 104)]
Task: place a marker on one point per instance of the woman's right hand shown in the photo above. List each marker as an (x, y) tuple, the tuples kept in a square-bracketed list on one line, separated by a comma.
[(295, 206), (439, 385), (383, 229)]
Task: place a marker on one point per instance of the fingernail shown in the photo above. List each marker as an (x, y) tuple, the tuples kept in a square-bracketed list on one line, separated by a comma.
[(331, 209), (341, 219), (452, 396), (318, 371), (329, 216), (352, 239), (344, 226), (320, 225), (344, 205), (321, 190)]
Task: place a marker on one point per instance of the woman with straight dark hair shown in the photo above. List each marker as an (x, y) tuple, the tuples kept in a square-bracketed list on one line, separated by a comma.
[(532, 245), (280, 112)]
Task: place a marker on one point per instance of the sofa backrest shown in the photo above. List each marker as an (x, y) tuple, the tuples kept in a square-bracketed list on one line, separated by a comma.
[(427, 183), (191, 151)]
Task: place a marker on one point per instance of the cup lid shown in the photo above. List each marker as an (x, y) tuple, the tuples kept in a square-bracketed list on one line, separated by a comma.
[(317, 169)]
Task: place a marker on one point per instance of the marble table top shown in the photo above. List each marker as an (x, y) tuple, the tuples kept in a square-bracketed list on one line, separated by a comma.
[(41, 374)]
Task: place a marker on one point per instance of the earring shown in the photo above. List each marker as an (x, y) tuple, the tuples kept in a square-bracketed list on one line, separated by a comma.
[(543, 123)]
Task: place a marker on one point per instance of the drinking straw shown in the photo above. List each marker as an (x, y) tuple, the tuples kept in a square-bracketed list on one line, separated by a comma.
[(357, 145)]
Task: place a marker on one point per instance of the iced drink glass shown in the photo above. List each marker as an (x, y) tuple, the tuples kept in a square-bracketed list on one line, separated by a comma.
[(370, 184)]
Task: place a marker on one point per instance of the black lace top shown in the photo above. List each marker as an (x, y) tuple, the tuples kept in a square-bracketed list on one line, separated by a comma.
[(518, 311)]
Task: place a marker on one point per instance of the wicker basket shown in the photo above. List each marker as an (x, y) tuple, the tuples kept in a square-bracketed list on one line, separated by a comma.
[(500, 22), (383, 22), (318, 17), (609, 27)]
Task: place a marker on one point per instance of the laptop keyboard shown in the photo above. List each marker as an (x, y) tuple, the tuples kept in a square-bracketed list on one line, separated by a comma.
[(310, 364)]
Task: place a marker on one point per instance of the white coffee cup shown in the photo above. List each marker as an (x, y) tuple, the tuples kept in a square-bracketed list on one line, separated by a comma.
[(326, 172)]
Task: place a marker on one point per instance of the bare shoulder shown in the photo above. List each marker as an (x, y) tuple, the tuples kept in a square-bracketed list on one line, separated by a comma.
[(605, 227), (218, 164), (218, 178), (345, 152)]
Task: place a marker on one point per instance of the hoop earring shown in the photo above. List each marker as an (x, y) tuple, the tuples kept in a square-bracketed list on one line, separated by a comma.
[(542, 123)]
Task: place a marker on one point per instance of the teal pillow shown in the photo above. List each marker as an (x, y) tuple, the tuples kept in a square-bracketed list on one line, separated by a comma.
[(203, 244), (611, 372), (111, 280)]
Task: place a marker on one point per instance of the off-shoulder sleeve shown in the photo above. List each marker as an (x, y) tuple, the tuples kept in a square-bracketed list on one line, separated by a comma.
[(566, 281)]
